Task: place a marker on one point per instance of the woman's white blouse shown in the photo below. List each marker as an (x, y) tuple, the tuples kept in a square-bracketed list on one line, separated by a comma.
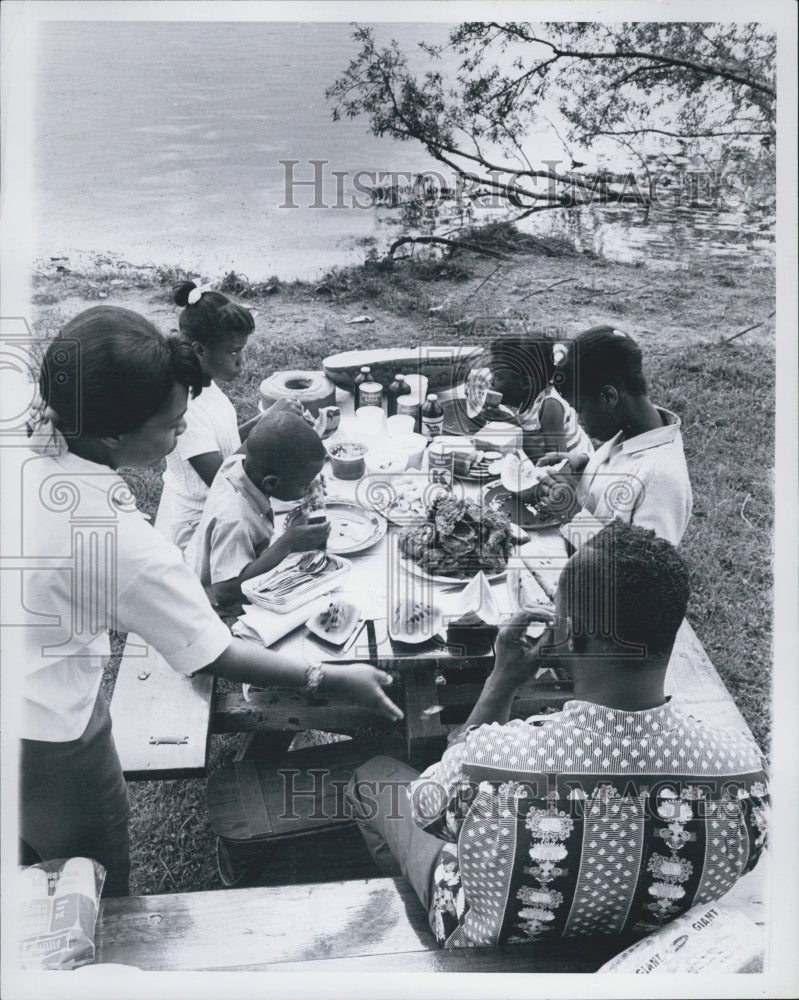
[(92, 563)]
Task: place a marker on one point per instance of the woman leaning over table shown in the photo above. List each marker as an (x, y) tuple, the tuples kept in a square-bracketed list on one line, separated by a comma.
[(115, 393), (638, 472)]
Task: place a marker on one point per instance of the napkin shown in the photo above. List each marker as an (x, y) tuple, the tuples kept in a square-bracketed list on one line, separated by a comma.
[(270, 626), (477, 604)]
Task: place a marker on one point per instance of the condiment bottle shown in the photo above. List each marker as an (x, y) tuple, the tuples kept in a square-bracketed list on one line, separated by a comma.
[(364, 375), (432, 416), (399, 387)]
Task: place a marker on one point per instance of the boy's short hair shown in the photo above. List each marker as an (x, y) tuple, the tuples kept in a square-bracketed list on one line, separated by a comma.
[(628, 585), (281, 442), (597, 357)]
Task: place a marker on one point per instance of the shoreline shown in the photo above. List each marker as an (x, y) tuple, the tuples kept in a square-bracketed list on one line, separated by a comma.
[(523, 279)]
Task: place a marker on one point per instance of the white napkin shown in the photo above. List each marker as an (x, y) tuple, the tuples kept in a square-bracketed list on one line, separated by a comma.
[(270, 626), (478, 597)]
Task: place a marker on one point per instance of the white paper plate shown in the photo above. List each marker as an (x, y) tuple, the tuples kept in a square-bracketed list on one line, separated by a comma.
[(350, 620)]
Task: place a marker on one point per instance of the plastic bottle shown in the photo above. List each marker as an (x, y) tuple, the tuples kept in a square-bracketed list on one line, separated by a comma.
[(364, 375), (432, 417), (399, 387)]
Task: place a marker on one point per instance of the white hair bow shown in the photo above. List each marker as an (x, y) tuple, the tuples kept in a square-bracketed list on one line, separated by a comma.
[(196, 293)]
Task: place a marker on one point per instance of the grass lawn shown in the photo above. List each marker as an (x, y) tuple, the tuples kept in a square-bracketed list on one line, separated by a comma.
[(724, 395)]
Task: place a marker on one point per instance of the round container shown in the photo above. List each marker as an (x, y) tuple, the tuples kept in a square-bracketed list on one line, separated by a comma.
[(371, 419), (387, 462), (412, 445), (313, 389), (408, 406), (347, 459), (370, 394), (400, 425)]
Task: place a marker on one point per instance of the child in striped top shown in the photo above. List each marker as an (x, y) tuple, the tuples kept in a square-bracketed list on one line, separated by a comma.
[(522, 369)]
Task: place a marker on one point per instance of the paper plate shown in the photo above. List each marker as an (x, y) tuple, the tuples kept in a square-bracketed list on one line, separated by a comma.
[(348, 616), (517, 510), (352, 529), (402, 627)]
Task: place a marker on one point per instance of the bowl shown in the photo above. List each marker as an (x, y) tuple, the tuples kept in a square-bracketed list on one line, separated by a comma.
[(387, 462), (347, 459)]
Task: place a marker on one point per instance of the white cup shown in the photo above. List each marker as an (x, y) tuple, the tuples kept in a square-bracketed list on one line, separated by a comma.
[(371, 420), (400, 424)]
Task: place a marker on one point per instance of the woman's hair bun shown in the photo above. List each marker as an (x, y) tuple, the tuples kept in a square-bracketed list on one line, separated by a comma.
[(180, 293)]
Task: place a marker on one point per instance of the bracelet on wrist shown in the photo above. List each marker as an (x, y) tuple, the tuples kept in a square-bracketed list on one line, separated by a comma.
[(314, 675)]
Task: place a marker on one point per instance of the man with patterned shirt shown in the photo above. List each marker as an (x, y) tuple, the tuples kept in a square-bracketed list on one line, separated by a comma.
[(613, 816)]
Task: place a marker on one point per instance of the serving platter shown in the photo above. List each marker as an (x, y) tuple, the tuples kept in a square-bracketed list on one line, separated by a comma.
[(414, 569), (352, 529)]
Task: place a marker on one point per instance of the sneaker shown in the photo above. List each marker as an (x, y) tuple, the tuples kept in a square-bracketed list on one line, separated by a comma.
[(233, 870)]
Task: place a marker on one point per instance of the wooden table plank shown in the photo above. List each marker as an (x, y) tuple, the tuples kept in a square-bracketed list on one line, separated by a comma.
[(361, 925), (151, 700), (247, 927), (693, 682)]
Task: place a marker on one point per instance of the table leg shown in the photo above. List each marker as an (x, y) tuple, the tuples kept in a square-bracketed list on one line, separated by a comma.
[(425, 736)]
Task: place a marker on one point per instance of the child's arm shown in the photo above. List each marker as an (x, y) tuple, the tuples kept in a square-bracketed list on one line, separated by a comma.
[(297, 538), (551, 435)]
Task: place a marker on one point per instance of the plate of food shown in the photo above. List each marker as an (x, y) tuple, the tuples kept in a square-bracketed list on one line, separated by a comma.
[(414, 622), (400, 499), (523, 510), (352, 529), (457, 539), (336, 623), (482, 466)]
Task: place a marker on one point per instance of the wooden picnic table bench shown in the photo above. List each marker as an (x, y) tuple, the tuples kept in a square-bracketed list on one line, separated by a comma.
[(363, 925)]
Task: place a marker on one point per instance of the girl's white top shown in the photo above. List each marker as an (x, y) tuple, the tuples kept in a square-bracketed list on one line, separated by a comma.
[(211, 425)]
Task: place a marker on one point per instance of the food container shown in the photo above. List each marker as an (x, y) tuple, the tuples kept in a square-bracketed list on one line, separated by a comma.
[(400, 425), (440, 464), (370, 394), (411, 445), (305, 586), (347, 459), (418, 384), (408, 406)]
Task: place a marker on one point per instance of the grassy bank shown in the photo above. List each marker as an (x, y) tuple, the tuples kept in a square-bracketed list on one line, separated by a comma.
[(723, 393)]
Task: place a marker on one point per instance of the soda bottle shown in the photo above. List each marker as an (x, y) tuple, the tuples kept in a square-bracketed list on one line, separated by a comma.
[(399, 387), (432, 416), (364, 375)]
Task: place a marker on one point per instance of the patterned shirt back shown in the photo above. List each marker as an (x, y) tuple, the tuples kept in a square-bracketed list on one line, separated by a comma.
[(590, 821)]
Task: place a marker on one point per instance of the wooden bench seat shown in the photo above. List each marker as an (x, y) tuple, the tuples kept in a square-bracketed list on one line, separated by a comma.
[(363, 925)]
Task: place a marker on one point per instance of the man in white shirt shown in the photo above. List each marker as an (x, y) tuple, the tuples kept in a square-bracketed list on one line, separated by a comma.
[(638, 474)]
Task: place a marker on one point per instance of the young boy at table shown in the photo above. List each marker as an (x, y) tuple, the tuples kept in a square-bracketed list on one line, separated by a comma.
[(233, 541)]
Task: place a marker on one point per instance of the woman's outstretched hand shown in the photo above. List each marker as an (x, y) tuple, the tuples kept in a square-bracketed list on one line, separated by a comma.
[(360, 684)]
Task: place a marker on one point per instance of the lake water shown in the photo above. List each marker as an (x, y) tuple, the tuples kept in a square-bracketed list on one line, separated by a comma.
[(161, 143)]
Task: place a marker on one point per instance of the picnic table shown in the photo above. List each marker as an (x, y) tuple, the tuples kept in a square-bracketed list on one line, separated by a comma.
[(162, 720)]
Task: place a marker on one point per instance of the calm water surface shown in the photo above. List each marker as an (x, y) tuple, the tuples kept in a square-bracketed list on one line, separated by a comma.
[(162, 143)]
